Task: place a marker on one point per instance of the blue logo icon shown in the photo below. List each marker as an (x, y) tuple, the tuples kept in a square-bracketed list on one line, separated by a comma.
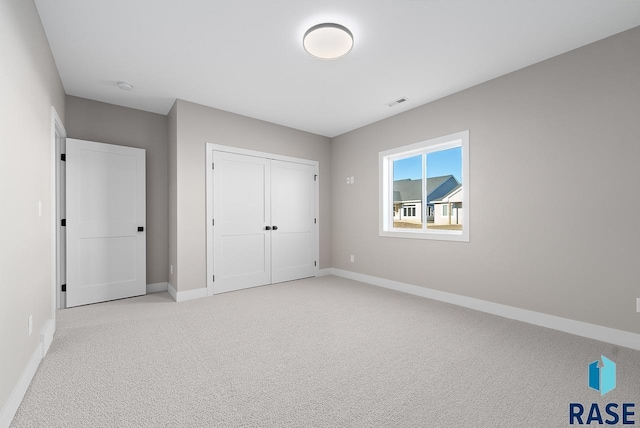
[(602, 378)]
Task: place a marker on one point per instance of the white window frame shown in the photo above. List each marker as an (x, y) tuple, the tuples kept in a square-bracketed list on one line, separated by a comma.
[(386, 159)]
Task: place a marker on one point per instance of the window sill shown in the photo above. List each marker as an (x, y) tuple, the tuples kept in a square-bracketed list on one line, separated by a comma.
[(441, 235)]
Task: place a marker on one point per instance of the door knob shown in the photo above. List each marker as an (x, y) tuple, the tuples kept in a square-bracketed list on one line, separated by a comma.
[(275, 227)]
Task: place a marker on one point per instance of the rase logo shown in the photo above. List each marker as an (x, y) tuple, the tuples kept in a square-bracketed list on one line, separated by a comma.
[(602, 378)]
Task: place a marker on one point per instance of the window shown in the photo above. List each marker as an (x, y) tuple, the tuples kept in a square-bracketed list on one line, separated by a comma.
[(430, 181), (409, 211)]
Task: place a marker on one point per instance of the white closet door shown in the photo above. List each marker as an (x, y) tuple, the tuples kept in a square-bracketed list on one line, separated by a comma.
[(292, 213), (241, 211), (106, 251)]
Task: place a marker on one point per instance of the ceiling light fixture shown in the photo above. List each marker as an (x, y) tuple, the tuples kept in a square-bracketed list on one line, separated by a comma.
[(125, 86), (328, 41)]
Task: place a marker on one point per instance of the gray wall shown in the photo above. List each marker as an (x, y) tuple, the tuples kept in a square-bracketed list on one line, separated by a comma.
[(554, 176), (197, 125), (30, 85), (108, 123)]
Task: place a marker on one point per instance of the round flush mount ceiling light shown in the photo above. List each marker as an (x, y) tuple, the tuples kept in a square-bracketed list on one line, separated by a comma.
[(125, 86), (328, 41)]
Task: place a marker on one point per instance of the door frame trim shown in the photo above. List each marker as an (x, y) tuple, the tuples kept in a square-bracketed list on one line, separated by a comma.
[(57, 259), (210, 148)]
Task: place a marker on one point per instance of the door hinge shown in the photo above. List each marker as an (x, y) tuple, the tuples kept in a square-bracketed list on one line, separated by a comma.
[(315, 177), (213, 222), (63, 222), (63, 157), (213, 165), (315, 263), (64, 287), (214, 278)]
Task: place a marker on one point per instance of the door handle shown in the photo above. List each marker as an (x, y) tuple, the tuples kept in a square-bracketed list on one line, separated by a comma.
[(275, 227), (140, 229), (267, 228)]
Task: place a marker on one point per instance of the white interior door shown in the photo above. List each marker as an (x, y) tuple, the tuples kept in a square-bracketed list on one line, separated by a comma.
[(241, 214), (292, 217), (106, 250)]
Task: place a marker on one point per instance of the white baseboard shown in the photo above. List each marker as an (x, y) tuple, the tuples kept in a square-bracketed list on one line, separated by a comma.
[(324, 272), (46, 337), (183, 296), (11, 407), (578, 328), (158, 287), (172, 291), (20, 389)]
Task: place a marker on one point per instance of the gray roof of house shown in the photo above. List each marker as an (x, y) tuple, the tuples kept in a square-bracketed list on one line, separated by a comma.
[(410, 190), (407, 190), (447, 195)]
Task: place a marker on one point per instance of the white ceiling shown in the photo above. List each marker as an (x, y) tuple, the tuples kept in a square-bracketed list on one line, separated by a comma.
[(246, 56)]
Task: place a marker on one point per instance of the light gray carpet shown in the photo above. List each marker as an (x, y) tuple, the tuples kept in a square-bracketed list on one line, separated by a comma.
[(322, 352)]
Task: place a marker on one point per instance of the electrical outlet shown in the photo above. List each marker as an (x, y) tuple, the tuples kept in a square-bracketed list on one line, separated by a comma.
[(348, 180), (638, 304), (171, 269), (353, 258), (30, 324)]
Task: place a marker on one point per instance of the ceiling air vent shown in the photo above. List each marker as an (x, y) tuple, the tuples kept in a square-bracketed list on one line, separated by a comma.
[(398, 101)]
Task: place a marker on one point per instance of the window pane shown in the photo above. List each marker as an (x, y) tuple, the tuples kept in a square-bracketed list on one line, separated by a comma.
[(444, 188), (407, 192)]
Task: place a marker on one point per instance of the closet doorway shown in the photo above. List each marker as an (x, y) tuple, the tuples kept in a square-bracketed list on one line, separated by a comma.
[(262, 223)]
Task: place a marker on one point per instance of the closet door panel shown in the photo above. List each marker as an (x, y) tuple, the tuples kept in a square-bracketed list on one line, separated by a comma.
[(241, 212), (293, 213)]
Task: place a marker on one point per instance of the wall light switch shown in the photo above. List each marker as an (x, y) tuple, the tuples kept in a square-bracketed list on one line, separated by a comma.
[(39, 208), (30, 324), (171, 269), (352, 179), (353, 258)]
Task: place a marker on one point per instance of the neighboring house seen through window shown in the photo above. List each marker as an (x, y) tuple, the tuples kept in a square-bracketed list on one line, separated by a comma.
[(424, 189)]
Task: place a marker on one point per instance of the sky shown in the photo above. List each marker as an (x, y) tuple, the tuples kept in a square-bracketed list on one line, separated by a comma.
[(443, 162)]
